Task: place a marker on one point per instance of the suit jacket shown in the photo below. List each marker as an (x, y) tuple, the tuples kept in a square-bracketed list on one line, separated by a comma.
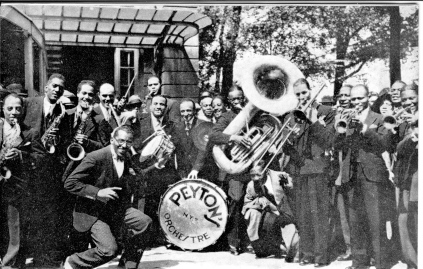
[(313, 144), (95, 172), (366, 149), (16, 186), (34, 118), (157, 180), (188, 156), (236, 188), (91, 129), (172, 109), (93, 141), (105, 128)]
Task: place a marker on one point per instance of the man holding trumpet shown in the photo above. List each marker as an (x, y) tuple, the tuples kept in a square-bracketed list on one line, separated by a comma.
[(372, 191), (309, 164)]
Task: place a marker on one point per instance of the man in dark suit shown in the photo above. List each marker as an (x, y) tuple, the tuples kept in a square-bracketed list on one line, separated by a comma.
[(14, 179), (48, 220), (154, 86), (372, 190), (103, 183), (104, 116), (236, 230), (84, 128), (158, 173), (312, 142), (190, 159)]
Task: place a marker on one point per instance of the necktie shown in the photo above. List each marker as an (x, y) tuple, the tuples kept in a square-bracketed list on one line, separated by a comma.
[(187, 127), (78, 119)]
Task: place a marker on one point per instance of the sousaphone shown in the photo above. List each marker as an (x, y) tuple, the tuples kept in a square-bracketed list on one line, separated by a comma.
[(268, 85)]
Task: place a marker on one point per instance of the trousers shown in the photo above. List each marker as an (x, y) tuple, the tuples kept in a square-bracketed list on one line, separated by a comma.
[(104, 235)]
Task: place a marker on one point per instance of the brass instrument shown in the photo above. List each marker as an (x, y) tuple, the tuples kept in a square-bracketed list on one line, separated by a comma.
[(344, 119), (269, 86), (396, 118), (119, 123), (76, 151), (49, 140)]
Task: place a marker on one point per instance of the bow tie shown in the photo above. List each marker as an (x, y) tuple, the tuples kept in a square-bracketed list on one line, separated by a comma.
[(118, 158)]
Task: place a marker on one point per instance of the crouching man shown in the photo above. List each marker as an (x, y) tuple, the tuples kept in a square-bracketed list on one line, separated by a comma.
[(268, 213), (102, 183)]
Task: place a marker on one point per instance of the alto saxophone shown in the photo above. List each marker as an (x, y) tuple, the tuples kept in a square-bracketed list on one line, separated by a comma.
[(76, 151), (49, 140)]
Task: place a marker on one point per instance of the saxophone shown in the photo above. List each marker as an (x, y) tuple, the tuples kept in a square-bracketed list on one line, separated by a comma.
[(75, 150), (16, 141), (49, 140)]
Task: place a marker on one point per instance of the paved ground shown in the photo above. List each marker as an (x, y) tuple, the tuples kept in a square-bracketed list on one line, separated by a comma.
[(162, 257)]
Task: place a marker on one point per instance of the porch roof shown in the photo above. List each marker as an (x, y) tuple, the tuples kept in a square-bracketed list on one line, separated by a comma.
[(134, 26)]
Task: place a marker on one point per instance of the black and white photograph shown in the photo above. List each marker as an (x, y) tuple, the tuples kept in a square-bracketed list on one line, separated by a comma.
[(193, 134)]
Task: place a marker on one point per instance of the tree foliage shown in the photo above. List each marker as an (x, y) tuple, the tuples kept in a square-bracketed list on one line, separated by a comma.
[(333, 40)]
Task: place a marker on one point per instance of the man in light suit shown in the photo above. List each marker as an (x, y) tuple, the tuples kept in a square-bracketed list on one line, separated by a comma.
[(372, 191), (103, 183)]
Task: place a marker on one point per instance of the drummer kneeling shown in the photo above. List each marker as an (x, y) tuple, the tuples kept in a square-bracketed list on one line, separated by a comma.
[(268, 213)]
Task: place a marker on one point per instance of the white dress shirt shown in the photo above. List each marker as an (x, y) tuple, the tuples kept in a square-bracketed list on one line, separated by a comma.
[(363, 115), (106, 112)]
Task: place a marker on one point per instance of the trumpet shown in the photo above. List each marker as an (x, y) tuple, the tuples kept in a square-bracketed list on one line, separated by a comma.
[(397, 118), (344, 119), (75, 151)]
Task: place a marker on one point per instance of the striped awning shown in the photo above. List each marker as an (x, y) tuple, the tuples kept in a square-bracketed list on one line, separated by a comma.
[(135, 26)]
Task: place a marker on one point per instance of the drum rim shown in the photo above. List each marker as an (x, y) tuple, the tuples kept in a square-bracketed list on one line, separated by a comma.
[(217, 188)]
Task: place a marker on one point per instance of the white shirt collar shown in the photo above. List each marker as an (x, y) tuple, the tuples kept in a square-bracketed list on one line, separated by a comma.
[(156, 122)]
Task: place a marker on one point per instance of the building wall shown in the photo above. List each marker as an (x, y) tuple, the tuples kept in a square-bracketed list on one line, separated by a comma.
[(179, 71)]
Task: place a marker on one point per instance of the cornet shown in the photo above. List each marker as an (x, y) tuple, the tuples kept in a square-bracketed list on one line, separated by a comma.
[(397, 118), (345, 119)]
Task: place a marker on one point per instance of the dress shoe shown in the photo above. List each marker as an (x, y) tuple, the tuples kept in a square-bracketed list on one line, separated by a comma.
[(320, 264), (305, 261), (234, 251), (344, 257)]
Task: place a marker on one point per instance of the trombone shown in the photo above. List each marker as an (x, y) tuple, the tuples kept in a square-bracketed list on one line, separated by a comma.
[(298, 113)]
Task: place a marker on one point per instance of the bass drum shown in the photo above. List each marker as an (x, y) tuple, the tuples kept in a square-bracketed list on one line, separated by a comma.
[(193, 213)]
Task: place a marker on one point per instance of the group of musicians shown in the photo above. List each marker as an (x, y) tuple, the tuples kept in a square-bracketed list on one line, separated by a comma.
[(350, 168)]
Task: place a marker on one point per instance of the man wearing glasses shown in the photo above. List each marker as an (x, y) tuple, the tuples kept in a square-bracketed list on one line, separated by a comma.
[(154, 87), (103, 183), (48, 196)]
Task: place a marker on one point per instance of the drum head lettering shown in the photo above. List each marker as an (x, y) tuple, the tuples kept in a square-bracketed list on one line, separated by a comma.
[(193, 214)]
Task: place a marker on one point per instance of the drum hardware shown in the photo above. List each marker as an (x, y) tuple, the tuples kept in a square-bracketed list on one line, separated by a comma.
[(48, 140), (193, 213), (268, 86)]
